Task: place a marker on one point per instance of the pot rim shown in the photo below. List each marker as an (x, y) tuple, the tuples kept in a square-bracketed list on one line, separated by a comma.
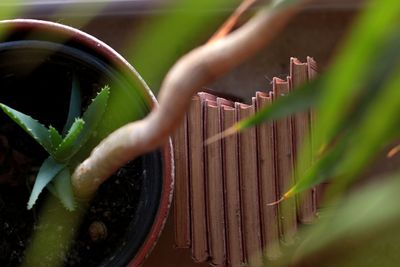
[(101, 49)]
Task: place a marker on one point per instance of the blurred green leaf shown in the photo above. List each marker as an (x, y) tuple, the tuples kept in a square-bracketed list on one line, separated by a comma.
[(300, 99), (361, 230), (375, 106), (362, 49)]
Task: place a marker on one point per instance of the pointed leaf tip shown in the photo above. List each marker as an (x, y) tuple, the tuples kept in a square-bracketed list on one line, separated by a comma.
[(290, 193), (63, 189), (228, 132), (55, 137), (276, 202), (31, 126), (68, 147)]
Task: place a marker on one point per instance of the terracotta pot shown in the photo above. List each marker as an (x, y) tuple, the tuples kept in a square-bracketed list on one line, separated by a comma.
[(26, 43)]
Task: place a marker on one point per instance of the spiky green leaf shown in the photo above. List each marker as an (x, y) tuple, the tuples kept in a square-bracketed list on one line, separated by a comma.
[(92, 117), (49, 169), (95, 111), (55, 137), (63, 189), (35, 129), (66, 149)]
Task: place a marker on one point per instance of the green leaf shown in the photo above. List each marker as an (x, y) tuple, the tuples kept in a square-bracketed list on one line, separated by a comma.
[(49, 169), (38, 131), (91, 118), (66, 149), (74, 111), (360, 230), (375, 130), (361, 51), (377, 75), (55, 137), (359, 141), (63, 189), (93, 115), (96, 109), (325, 168), (300, 99)]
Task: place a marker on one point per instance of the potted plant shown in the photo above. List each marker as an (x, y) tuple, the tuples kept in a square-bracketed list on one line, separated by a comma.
[(52, 72)]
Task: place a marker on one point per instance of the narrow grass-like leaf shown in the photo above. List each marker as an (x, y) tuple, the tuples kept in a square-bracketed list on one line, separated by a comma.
[(360, 231), (362, 143), (377, 75), (74, 111), (363, 48), (368, 141), (299, 100), (55, 137), (303, 98), (357, 124), (63, 189), (66, 149), (325, 168), (38, 131), (49, 169)]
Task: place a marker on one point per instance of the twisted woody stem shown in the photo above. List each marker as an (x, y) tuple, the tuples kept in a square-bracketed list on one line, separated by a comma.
[(193, 71)]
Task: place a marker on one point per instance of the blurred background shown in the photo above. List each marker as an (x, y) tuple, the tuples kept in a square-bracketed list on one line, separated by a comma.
[(317, 31)]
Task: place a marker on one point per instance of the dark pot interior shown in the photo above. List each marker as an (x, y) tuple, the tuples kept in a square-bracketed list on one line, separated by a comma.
[(36, 79)]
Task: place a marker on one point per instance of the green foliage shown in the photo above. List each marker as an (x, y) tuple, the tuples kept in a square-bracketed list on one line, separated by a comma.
[(38, 131), (49, 169), (357, 102), (55, 170), (66, 148), (74, 110), (302, 98), (55, 137), (360, 230), (353, 95), (63, 188)]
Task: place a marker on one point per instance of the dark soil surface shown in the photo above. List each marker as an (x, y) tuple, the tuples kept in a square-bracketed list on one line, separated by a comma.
[(113, 208)]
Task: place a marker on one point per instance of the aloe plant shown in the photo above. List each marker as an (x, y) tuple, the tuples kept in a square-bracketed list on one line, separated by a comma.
[(55, 171)]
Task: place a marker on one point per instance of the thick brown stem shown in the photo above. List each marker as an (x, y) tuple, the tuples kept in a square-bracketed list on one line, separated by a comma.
[(196, 69)]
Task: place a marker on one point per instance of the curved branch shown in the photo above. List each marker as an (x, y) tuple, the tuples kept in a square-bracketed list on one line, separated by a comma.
[(194, 70)]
